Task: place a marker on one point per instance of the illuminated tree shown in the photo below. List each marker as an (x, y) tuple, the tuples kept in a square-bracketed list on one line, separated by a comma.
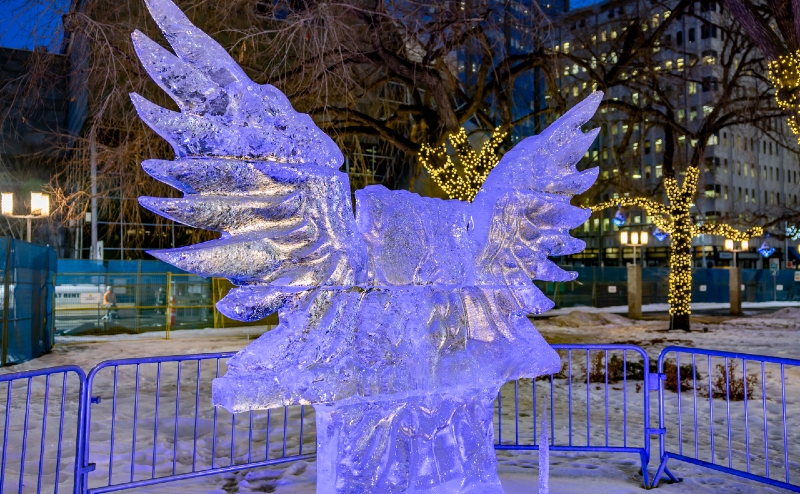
[(666, 110), (465, 182), (675, 219)]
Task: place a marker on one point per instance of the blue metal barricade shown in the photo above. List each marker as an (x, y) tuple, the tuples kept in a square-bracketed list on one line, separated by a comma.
[(736, 419), (603, 414), (42, 433), (161, 406)]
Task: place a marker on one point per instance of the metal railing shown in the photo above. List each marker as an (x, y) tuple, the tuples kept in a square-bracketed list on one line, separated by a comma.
[(146, 421), (593, 389), (736, 419), (37, 429), (162, 406)]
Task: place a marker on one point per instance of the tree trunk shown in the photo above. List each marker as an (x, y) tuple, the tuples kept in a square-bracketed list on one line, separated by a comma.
[(680, 275)]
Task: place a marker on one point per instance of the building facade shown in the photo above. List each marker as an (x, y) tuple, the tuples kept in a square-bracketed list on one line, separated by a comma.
[(749, 167)]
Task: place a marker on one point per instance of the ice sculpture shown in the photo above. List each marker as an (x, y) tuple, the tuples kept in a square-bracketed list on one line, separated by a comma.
[(399, 324)]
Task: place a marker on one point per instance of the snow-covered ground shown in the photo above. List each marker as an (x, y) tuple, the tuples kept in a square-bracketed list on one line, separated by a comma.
[(774, 334)]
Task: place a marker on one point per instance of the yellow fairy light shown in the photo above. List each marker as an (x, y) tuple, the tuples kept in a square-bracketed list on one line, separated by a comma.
[(675, 220), (475, 167), (784, 74)]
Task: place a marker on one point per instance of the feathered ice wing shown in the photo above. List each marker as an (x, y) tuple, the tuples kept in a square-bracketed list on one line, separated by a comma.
[(250, 167), (523, 213)]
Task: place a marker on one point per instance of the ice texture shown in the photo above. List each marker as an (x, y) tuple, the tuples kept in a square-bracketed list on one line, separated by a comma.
[(399, 324)]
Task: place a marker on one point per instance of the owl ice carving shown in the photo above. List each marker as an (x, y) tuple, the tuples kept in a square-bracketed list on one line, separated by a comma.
[(400, 324)]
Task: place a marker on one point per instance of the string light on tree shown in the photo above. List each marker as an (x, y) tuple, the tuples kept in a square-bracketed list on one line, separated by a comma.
[(784, 74), (674, 220), (465, 183)]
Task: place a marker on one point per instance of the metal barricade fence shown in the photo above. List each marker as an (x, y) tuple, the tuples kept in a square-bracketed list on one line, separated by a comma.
[(147, 421), (600, 395), (42, 432), (155, 419), (736, 419)]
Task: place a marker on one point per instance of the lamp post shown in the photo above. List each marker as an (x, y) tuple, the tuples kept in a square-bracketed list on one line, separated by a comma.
[(730, 246), (735, 276), (634, 239), (40, 208), (634, 273)]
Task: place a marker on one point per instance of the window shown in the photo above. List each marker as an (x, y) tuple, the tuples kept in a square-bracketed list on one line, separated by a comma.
[(691, 35), (713, 140), (647, 146), (712, 191), (679, 38), (739, 169), (655, 20), (594, 39), (635, 98), (614, 129), (659, 145), (668, 65), (707, 109), (604, 35), (575, 91), (765, 146), (692, 88), (726, 193), (647, 171), (709, 84), (708, 31), (692, 113), (746, 195), (764, 172), (566, 47), (752, 170), (740, 194), (725, 143), (659, 171), (709, 57), (771, 173), (679, 64), (605, 154), (681, 114), (770, 149), (613, 34)]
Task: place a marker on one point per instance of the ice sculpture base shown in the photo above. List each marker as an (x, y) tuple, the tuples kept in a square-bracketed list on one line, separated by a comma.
[(431, 444)]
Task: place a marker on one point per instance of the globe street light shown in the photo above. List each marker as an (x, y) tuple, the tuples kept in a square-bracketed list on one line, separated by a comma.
[(40, 208), (730, 244), (634, 239)]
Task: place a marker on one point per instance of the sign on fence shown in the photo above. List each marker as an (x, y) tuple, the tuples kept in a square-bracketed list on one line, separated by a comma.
[(91, 298)]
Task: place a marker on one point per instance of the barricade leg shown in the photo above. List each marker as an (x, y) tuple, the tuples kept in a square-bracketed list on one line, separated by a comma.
[(662, 469), (645, 477)]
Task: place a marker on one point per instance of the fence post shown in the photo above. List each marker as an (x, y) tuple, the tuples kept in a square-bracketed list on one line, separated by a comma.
[(168, 312), (735, 290), (138, 293), (6, 299), (634, 291)]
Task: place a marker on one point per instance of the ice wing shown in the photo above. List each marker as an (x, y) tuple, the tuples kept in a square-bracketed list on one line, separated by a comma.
[(523, 213), (250, 167)]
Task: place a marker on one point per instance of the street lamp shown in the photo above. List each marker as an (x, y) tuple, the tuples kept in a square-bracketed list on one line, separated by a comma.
[(634, 239), (40, 208), (730, 244)]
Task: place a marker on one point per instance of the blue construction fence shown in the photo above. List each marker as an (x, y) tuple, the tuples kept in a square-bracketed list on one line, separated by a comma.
[(26, 295), (608, 286), (145, 296)]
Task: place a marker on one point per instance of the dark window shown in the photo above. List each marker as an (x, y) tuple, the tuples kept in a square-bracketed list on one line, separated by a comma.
[(691, 35), (709, 84), (679, 38)]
